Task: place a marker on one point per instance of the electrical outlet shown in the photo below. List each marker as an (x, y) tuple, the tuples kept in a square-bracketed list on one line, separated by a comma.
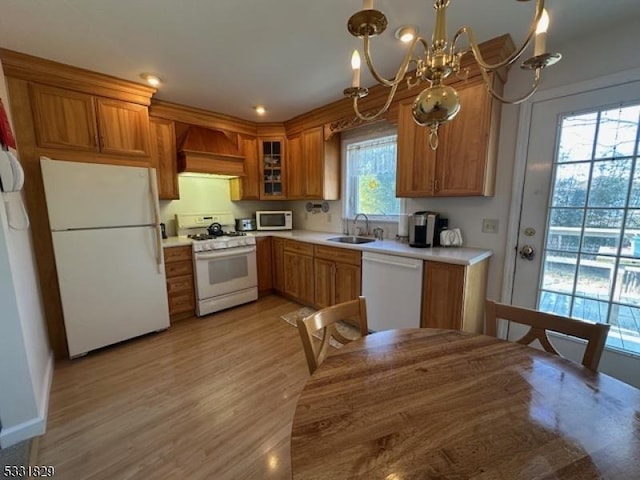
[(328, 218), (489, 225), (306, 216)]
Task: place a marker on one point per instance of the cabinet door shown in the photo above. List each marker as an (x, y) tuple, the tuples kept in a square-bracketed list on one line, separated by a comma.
[(291, 274), (64, 119), (313, 148), (264, 261), (277, 251), (324, 277), (443, 295), (250, 182), (347, 282), (272, 171), (415, 159), (164, 158), (123, 127), (248, 186), (296, 182), (306, 279), (298, 277), (462, 154)]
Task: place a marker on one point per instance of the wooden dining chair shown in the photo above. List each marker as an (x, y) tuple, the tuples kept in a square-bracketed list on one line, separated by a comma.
[(540, 322), (325, 321)]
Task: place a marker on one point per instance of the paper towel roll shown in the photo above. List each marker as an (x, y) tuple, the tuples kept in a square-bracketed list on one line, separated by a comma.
[(403, 225)]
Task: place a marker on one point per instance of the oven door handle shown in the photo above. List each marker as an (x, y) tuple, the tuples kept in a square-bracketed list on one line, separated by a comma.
[(226, 252)]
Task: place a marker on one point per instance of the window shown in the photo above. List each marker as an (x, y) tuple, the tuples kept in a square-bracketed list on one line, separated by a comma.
[(591, 262), (370, 174)]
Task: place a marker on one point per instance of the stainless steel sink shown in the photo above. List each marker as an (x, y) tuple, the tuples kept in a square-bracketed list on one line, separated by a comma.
[(351, 239)]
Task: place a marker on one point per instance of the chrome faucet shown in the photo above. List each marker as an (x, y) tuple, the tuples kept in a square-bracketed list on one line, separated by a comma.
[(355, 220)]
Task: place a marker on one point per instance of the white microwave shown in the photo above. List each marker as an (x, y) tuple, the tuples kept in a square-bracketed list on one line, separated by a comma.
[(274, 220)]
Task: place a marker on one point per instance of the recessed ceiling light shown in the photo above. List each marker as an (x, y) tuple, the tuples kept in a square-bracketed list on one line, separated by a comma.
[(151, 79), (406, 33), (260, 110)]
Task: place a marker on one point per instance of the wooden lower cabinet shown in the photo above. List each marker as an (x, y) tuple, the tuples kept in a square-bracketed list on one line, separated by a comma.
[(277, 265), (265, 265), (453, 296), (180, 285), (298, 271), (337, 275)]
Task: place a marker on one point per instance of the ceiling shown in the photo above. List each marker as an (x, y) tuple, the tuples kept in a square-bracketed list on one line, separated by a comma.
[(289, 55)]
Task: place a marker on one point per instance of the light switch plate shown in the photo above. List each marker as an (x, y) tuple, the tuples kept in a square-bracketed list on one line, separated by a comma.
[(489, 225)]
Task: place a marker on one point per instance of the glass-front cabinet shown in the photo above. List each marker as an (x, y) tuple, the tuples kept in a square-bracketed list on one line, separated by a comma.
[(272, 171)]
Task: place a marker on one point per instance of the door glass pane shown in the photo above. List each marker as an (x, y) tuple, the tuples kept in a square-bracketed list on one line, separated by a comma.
[(559, 272), (602, 231), (591, 260), (565, 225), (577, 136), (610, 183), (617, 132), (570, 185)]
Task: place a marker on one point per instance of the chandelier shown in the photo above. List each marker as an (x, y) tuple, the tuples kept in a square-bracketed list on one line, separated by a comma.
[(439, 103)]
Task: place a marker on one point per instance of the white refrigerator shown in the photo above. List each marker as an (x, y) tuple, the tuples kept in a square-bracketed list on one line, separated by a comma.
[(105, 227)]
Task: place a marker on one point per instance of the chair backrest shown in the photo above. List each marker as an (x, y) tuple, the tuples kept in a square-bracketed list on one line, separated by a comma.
[(540, 322), (325, 320)]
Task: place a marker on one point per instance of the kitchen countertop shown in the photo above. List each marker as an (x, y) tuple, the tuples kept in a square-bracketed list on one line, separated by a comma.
[(455, 255)]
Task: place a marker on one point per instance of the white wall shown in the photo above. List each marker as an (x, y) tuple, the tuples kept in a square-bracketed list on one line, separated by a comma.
[(25, 356), (202, 193)]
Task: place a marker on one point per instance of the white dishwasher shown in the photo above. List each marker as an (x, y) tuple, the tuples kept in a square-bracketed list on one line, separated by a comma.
[(392, 286)]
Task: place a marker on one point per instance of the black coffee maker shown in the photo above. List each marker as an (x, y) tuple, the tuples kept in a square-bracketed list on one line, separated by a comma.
[(425, 228)]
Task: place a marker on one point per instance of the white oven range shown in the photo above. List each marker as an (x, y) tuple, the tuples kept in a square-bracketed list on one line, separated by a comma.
[(224, 264)]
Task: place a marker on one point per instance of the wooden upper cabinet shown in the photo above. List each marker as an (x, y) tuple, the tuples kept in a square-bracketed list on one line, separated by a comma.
[(313, 168), (70, 120), (247, 187), (272, 168), (123, 127), (64, 118), (464, 162), (467, 167), (164, 158), (296, 184), (415, 168)]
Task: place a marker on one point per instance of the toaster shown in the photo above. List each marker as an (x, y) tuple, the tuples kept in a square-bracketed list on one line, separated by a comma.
[(245, 224)]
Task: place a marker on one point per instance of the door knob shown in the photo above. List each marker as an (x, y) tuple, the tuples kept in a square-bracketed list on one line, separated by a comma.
[(527, 252)]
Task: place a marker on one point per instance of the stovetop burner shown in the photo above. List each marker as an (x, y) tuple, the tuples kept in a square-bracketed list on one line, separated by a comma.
[(200, 236), (206, 236)]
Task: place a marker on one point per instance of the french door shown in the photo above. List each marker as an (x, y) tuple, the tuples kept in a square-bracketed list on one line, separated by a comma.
[(578, 251)]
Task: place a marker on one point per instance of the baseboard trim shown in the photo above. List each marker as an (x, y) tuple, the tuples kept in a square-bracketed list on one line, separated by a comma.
[(36, 426)]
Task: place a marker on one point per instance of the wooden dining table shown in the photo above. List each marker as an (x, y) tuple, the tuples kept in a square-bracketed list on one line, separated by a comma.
[(441, 404)]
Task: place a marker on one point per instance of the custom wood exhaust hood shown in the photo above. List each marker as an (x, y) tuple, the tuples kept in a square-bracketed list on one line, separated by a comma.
[(204, 150)]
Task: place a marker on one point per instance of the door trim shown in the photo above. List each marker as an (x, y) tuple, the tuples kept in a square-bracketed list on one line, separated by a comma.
[(520, 163)]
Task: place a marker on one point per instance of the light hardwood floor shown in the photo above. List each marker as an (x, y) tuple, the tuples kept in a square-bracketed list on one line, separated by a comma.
[(209, 398)]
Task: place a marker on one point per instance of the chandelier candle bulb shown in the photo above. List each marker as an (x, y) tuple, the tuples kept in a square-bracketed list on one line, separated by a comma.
[(367, 4), (540, 46), (355, 65)]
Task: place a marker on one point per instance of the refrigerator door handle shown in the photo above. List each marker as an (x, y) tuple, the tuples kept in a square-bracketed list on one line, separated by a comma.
[(156, 216)]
